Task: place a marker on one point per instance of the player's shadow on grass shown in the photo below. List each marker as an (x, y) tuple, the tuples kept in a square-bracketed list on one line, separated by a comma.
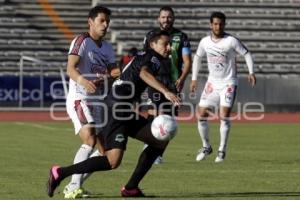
[(233, 195), (210, 195)]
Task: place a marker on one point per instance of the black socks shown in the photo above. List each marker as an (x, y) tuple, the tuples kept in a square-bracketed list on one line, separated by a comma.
[(98, 163), (145, 162)]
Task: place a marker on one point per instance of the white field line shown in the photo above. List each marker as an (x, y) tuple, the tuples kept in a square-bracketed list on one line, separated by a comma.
[(45, 127)]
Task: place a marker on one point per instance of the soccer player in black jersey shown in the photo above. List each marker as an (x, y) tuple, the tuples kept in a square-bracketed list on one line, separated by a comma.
[(124, 121), (176, 69), (180, 59)]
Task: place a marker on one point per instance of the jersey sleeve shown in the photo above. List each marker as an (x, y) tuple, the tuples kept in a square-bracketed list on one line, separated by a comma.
[(146, 41), (78, 45), (200, 50), (239, 47), (186, 45), (196, 66)]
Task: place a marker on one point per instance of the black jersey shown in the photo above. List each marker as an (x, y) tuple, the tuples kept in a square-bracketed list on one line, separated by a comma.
[(130, 86)]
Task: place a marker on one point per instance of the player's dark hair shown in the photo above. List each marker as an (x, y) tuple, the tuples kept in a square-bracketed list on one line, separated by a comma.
[(157, 34), (98, 9), (166, 8), (218, 15)]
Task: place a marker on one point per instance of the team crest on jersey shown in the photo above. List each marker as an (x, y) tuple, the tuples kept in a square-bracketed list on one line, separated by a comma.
[(219, 67), (176, 39), (156, 62)]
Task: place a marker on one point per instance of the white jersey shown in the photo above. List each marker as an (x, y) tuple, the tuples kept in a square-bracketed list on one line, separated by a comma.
[(94, 59), (221, 57)]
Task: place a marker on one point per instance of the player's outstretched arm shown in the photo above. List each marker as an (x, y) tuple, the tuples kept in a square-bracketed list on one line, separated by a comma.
[(153, 82)]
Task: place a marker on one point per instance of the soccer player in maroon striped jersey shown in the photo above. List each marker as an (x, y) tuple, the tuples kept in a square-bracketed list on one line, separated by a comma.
[(89, 59)]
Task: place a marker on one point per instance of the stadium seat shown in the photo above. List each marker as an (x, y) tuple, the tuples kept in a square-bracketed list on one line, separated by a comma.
[(26, 29)]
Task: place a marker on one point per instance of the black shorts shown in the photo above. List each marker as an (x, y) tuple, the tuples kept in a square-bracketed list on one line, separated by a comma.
[(115, 134)]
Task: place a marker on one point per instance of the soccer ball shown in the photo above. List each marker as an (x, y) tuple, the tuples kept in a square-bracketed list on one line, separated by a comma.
[(164, 127)]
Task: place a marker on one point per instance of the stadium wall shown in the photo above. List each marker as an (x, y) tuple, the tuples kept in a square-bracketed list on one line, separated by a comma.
[(273, 92)]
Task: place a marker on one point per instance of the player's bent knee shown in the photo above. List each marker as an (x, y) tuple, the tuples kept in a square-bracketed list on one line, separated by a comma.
[(114, 157), (202, 115), (91, 141), (88, 137), (114, 164)]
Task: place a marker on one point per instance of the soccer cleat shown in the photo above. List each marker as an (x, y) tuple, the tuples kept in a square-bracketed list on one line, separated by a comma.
[(72, 191), (66, 189), (220, 156), (203, 152), (136, 192), (77, 193), (53, 180), (159, 160)]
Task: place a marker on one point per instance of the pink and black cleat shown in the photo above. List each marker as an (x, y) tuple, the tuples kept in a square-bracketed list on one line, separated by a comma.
[(136, 192), (53, 181)]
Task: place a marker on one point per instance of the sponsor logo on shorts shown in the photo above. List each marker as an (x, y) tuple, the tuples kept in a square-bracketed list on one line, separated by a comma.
[(120, 137)]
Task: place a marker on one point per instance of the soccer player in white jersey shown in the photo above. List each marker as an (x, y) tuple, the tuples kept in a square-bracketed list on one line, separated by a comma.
[(221, 50), (90, 57)]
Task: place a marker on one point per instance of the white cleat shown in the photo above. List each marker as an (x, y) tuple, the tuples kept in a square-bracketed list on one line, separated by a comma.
[(220, 157), (203, 152)]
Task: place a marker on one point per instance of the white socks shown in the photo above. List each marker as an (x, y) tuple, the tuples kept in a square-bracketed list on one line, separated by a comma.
[(82, 154), (224, 134), (204, 131)]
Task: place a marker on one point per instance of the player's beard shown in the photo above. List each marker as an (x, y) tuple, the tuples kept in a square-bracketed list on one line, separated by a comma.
[(166, 26), (218, 33)]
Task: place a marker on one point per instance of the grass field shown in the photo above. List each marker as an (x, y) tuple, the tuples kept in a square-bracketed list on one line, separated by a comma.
[(263, 162)]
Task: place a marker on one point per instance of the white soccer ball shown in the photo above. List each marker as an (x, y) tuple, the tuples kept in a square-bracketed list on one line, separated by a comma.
[(164, 127)]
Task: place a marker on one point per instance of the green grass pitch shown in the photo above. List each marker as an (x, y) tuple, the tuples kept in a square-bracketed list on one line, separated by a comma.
[(263, 162)]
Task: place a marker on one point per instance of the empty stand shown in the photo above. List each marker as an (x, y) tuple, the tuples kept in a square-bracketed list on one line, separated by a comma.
[(269, 28), (25, 29)]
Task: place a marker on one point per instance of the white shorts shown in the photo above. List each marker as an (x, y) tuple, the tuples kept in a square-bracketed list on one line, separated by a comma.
[(216, 94), (84, 112)]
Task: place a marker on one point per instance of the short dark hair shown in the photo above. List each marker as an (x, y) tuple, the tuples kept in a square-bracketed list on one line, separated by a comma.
[(166, 8), (218, 15), (157, 34), (98, 9)]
